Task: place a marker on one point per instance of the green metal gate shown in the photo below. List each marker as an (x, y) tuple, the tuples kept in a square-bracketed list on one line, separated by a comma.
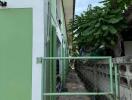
[(113, 70)]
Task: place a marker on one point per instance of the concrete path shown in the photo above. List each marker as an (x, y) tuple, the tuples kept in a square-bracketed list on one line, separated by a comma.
[(74, 84)]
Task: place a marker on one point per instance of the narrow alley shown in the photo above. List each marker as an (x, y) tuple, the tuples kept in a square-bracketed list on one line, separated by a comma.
[(74, 84)]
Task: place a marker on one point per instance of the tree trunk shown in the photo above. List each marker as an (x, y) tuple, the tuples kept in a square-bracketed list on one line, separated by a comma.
[(114, 4), (118, 48)]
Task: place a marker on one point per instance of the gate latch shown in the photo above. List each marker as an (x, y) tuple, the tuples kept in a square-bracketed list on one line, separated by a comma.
[(39, 60)]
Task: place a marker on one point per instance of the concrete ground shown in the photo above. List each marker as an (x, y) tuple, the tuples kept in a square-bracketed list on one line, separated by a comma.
[(74, 84)]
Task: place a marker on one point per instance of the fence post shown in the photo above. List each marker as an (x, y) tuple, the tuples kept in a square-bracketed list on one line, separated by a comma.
[(116, 81)]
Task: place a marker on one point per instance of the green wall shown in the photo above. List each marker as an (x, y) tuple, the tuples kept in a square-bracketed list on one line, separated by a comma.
[(54, 23), (50, 85), (15, 54), (53, 12)]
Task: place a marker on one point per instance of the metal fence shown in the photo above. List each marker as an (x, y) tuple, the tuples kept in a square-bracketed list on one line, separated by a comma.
[(97, 70)]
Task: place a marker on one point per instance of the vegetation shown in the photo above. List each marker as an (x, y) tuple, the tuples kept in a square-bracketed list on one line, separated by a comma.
[(99, 26)]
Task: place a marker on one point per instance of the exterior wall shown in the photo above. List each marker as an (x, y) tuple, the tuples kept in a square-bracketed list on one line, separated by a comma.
[(39, 47), (54, 45), (128, 48), (37, 41), (60, 29), (124, 65), (101, 81)]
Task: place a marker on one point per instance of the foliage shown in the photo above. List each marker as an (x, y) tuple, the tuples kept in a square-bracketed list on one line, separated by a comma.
[(99, 25)]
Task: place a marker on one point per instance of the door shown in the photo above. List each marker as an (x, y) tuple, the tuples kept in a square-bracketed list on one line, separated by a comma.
[(16, 54)]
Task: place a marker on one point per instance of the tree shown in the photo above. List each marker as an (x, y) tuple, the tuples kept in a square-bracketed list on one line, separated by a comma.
[(99, 26)]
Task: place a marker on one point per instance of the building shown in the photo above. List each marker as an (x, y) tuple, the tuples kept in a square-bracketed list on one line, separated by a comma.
[(31, 30)]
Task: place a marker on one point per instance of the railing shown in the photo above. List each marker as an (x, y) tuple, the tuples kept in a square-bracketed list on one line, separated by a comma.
[(92, 65), (96, 75)]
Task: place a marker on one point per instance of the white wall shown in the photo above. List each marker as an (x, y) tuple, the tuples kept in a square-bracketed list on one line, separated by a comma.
[(38, 40), (38, 48), (19, 3), (128, 48)]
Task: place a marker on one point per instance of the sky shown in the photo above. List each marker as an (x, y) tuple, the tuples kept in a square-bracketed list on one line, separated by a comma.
[(81, 5)]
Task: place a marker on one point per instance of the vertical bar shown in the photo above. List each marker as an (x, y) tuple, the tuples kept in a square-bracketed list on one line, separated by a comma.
[(54, 48), (61, 61), (50, 62), (53, 66), (94, 75), (116, 83), (111, 75), (118, 77), (44, 79), (63, 64)]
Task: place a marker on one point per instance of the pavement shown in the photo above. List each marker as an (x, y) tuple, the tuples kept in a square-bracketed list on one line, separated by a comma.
[(74, 84)]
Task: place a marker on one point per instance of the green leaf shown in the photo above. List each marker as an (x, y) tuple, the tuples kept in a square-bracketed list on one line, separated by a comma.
[(112, 30), (105, 33), (93, 22), (97, 36), (92, 31), (117, 11), (104, 27), (97, 25), (115, 20), (86, 32), (84, 25), (98, 32)]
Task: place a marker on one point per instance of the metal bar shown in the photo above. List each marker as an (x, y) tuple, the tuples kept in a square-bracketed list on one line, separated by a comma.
[(63, 58), (74, 94), (50, 62), (116, 83), (43, 84), (124, 63), (91, 58), (111, 75), (54, 48), (63, 64), (118, 76)]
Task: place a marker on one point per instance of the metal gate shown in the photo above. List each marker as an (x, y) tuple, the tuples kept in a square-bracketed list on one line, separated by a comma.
[(113, 92)]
